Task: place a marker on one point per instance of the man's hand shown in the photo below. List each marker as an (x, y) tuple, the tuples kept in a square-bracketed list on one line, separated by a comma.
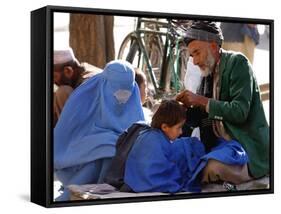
[(190, 99)]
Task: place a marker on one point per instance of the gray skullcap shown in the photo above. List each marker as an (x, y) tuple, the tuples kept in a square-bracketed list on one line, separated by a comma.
[(203, 31), (63, 56)]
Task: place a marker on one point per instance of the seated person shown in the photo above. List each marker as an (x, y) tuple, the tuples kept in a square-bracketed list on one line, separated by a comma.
[(158, 161), (226, 106), (68, 75), (96, 113), (161, 162), (142, 83)]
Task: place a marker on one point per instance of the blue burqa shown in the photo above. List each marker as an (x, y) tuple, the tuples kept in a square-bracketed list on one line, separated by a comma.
[(95, 114), (228, 152)]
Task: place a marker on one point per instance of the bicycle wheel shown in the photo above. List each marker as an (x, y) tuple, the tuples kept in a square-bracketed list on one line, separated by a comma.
[(173, 71), (129, 49), (154, 49), (146, 55)]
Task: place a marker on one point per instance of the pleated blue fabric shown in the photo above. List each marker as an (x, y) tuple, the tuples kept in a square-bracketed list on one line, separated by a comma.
[(95, 114)]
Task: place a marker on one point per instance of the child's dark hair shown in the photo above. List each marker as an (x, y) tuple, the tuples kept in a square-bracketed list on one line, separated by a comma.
[(170, 112)]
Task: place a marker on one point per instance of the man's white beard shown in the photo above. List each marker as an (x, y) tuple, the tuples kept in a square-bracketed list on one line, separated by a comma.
[(205, 72), (209, 65)]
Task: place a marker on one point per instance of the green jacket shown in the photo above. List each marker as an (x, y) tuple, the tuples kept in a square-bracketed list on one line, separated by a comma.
[(241, 110)]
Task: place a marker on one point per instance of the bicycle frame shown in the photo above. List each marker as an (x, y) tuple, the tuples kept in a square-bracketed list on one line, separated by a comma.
[(170, 64)]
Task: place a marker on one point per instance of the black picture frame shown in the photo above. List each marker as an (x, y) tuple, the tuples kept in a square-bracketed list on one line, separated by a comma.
[(42, 43)]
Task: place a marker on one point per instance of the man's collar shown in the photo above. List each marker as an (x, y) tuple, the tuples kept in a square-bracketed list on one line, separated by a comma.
[(222, 60)]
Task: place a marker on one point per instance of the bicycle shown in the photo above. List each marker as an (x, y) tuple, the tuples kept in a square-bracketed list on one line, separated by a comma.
[(157, 47)]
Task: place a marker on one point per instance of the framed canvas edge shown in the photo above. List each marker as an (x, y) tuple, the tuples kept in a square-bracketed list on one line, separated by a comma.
[(46, 175)]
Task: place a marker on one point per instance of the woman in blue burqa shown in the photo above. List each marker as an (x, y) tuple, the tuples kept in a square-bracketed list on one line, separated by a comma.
[(96, 113)]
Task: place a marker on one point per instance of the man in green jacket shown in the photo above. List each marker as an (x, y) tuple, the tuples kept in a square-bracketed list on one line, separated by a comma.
[(229, 105)]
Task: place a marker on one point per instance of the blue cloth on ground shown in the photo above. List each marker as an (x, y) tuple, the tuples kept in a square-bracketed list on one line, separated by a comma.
[(84, 174), (228, 152), (95, 114), (156, 165)]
